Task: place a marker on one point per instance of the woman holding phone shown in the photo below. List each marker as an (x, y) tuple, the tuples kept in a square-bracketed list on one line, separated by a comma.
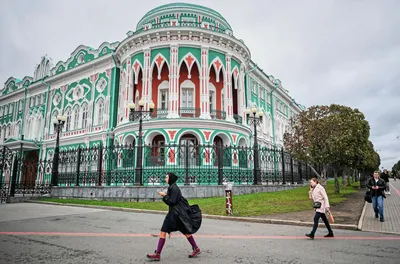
[(181, 217), (321, 206)]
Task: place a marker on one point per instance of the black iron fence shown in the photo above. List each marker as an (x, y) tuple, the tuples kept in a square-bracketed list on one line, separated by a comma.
[(194, 164), (23, 174)]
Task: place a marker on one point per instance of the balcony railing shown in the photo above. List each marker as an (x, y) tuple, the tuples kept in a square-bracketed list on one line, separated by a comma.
[(159, 113), (189, 112), (174, 24), (237, 118), (218, 114)]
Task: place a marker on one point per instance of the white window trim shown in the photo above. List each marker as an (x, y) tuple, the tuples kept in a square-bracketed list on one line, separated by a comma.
[(75, 119), (82, 121), (188, 84), (163, 86), (211, 88)]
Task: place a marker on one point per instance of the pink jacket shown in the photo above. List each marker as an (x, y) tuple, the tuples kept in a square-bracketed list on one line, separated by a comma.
[(318, 194)]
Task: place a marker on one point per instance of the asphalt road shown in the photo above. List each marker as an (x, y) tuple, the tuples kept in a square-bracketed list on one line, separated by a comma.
[(34, 233)]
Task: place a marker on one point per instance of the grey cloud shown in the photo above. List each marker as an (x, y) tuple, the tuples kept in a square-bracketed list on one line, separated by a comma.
[(332, 51)]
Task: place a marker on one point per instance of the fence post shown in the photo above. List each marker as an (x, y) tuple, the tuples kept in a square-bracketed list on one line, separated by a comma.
[(14, 176), (3, 158), (187, 163), (78, 166), (300, 171), (220, 158), (291, 169), (283, 167), (99, 165)]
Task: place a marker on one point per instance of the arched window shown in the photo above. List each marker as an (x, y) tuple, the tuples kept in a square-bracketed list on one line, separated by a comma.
[(163, 89), (99, 112), (53, 119), (68, 122), (84, 116), (75, 118), (17, 129), (212, 98), (187, 94)]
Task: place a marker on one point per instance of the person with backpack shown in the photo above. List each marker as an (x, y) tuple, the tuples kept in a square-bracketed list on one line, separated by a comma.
[(377, 187), (181, 217)]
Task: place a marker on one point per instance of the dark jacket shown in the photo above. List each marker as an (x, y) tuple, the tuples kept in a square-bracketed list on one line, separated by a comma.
[(385, 177), (381, 184), (181, 217)]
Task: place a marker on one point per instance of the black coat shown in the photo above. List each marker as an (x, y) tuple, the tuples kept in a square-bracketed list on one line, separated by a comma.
[(381, 184), (385, 177), (181, 217)]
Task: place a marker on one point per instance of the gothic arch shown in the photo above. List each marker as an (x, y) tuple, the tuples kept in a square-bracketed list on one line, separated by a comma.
[(190, 60), (136, 67), (218, 67), (159, 61)]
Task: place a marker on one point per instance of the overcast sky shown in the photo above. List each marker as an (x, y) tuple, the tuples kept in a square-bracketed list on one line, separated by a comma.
[(331, 51)]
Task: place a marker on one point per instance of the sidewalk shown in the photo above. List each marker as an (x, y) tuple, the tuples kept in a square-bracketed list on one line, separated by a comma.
[(391, 213)]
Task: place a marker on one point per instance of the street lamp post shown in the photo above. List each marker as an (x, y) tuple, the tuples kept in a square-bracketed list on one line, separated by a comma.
[(255, 119), (58, 125), (139, 115)]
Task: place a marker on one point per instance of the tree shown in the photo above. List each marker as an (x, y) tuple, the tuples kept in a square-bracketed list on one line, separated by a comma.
[(396, 168), (332, 135)]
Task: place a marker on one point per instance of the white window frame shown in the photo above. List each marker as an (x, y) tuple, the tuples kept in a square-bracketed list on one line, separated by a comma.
[(84, 115), (188, 85), (100, 108), (163, 87), (68, 123), (213, 93), (75, 118)]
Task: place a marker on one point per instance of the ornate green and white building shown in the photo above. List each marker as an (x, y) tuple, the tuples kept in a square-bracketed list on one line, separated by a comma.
[(182, 57)]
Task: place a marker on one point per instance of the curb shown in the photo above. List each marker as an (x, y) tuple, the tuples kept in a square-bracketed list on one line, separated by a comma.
[(206, 216), (361, 221)]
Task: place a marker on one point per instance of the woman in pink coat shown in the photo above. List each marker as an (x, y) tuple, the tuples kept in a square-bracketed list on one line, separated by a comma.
[(321, 204)]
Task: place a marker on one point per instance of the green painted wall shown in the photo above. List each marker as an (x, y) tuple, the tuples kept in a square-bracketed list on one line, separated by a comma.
[(163, 51), (212, 54), (185, 50)]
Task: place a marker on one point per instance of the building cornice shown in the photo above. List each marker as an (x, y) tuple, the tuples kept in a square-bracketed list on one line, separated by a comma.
[(182, 36)]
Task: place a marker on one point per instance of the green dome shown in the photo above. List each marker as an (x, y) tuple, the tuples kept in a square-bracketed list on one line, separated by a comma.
[(183, 12)]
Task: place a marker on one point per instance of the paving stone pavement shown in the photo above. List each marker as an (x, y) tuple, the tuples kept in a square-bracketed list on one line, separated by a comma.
[(391, 213)]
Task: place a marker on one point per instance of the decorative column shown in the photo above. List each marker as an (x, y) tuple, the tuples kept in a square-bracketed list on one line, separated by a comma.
[(146, 76), (130, 83), (173, 104), (228, 89), (204, 79), (91, 106), (241, 94)]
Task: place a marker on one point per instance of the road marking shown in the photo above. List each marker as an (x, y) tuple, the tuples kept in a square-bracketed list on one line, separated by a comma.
[(397, 191), (73, 234)]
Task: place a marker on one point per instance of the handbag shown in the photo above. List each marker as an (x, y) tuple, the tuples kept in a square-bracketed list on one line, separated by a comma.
[(367, 197), (317, 205), (330, 217)]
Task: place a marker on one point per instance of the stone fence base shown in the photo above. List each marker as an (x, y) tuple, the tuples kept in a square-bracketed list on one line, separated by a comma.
[(149, 193)]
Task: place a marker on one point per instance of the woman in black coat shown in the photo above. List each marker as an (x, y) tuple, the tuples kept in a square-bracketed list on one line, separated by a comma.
[(181, 217)]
